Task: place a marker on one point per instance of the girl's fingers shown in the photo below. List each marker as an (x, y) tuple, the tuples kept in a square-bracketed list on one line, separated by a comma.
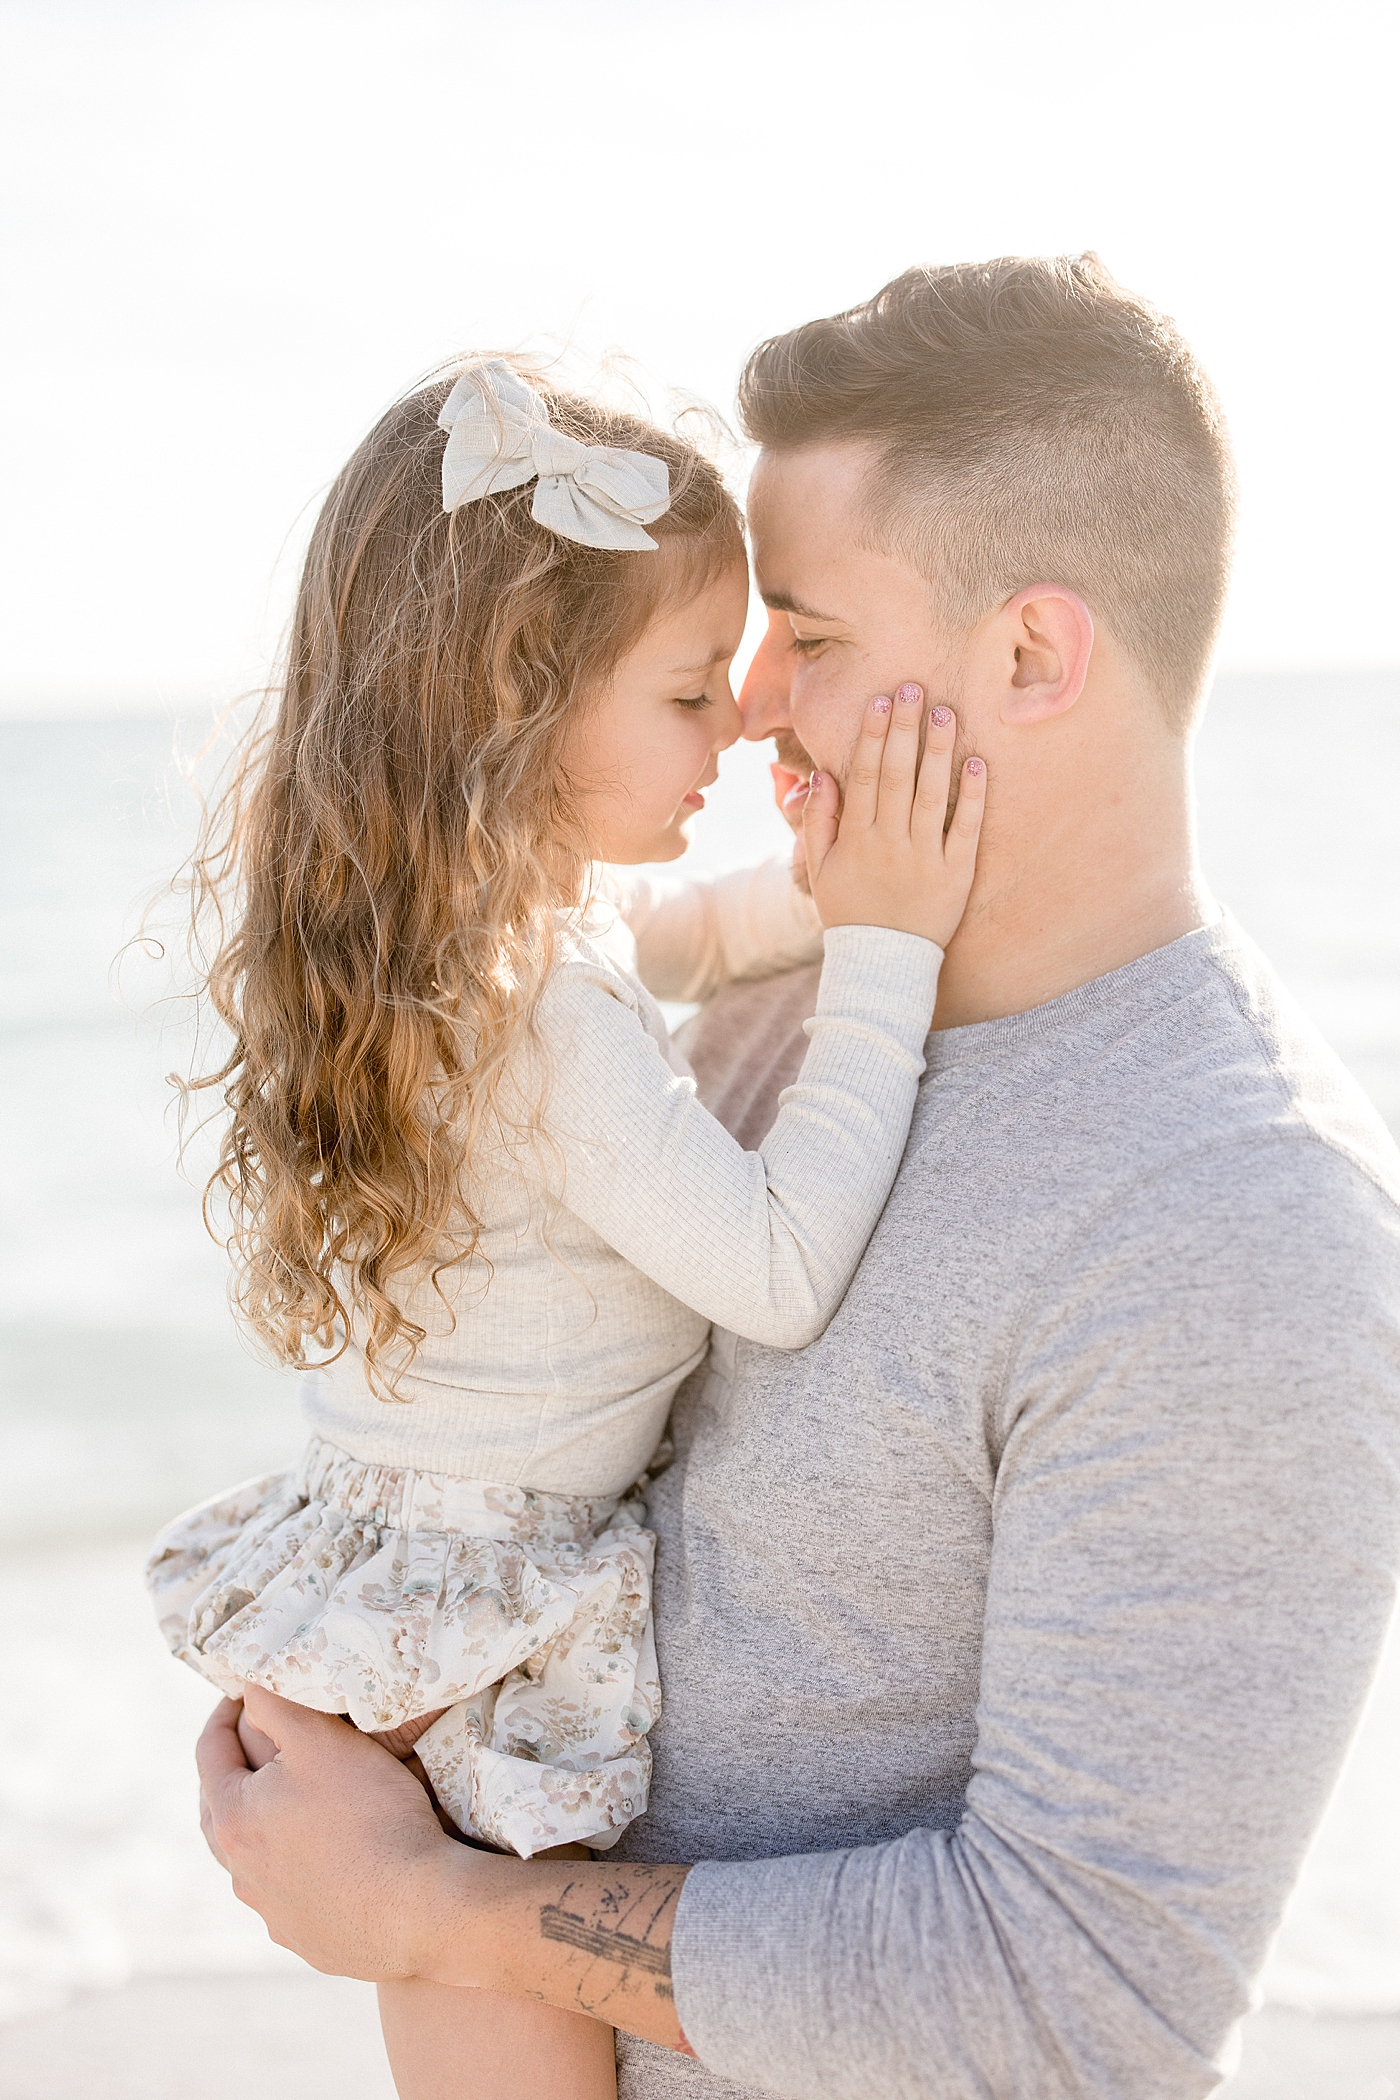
[(789, 792), (820, 822), (863, 781), (899, 762), (960, 847), (935, 776)]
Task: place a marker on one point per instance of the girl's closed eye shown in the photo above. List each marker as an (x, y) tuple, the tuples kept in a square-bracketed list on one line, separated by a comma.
[(695, 701)]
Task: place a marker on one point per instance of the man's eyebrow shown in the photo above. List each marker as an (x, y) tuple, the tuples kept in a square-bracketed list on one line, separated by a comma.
[(783, 601)]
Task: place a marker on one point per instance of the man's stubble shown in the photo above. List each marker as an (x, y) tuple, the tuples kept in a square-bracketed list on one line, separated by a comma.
[(794, 756)]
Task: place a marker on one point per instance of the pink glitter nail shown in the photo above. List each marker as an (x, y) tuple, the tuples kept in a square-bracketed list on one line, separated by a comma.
[(910, 692), (880, 706), (940, 716), (975, 765)]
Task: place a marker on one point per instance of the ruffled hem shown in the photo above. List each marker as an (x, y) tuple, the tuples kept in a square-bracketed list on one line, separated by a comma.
[(383, 1594)]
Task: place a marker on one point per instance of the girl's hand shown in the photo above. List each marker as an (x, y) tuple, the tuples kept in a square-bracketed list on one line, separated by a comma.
[(884, 859), (790, 792)]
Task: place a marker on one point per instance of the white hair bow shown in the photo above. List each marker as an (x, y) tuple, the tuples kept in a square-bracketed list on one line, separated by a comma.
[(499, 436)]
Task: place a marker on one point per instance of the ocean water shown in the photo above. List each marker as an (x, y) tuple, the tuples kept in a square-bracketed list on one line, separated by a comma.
[(127, 1393)]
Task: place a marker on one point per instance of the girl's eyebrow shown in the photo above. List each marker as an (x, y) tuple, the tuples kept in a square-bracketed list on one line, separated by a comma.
[(687, 670)]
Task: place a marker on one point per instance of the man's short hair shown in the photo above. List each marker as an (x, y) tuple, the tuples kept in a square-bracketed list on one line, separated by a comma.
[(1032, 423)]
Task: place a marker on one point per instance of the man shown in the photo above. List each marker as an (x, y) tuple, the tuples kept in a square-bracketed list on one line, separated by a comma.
[(1012, 1633)]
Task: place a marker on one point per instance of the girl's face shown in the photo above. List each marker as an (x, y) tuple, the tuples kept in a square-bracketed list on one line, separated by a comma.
[(640, 757)]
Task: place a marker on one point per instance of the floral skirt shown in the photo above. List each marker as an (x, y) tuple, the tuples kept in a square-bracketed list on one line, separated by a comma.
[(382, 1593)]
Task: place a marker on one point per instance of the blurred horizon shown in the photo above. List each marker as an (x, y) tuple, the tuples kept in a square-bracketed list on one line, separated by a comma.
[(185, 713)]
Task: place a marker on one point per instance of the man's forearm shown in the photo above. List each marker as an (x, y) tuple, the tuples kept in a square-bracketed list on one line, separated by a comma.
[(335, 1845), (587, 1935)]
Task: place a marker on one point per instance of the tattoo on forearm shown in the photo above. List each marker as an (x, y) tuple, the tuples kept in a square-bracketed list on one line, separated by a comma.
[(557, 1924), (621, 1925)]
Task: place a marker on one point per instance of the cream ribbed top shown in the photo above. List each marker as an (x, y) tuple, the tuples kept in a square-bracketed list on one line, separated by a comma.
[(608, 1250)]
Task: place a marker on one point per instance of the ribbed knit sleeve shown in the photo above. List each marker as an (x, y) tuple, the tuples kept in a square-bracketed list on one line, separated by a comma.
[(693, 937), (766, 1242)]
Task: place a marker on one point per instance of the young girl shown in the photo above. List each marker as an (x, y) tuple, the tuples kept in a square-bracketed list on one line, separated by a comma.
[(464, 1162)]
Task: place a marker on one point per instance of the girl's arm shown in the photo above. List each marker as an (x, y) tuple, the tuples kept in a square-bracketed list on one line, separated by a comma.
[(693, 937), (765, 1243)]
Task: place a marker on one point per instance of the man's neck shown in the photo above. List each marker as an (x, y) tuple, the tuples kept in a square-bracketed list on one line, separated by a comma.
[(1060, 900)]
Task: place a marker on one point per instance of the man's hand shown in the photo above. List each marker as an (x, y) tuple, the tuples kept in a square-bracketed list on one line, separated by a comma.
[(333, 1843), (337, 1848)]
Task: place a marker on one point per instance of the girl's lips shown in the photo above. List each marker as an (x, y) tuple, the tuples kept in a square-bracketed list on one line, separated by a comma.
[(694, 800)]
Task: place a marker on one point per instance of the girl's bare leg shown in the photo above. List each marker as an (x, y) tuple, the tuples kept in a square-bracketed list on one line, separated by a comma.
[(447, 2044)]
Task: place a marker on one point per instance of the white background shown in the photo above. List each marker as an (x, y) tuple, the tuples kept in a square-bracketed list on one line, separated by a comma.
[(237, 230)]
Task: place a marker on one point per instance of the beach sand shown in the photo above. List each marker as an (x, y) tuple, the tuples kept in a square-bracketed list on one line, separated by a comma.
[(308, 2037), (297, 2037)]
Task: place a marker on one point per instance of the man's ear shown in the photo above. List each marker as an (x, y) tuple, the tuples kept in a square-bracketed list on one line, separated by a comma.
[(1044, 636)]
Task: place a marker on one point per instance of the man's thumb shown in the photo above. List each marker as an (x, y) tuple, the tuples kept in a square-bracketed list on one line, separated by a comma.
[(219, 1754), (289, 1726), (277, 1718)]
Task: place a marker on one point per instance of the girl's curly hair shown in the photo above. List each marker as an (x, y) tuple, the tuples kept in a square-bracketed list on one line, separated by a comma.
[(378, 881)]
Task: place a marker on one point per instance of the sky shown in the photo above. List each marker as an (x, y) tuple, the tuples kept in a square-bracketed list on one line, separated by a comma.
[(234, 232)]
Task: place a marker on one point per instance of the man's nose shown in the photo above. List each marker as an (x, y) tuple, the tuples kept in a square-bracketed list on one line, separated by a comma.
[(766, 692)]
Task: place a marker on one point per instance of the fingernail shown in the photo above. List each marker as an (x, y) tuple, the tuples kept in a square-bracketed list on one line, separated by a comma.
[(975, 765), (880, 706), (910, 692), (817, 781), (940, 716)]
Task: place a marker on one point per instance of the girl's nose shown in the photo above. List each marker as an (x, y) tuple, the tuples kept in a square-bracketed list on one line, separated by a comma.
[(729, 723)]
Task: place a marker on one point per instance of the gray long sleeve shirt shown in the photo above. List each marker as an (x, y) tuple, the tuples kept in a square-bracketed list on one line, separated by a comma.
[(1012, 1633)]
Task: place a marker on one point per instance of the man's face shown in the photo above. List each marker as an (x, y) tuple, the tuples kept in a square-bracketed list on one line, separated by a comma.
[(845, 623)]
